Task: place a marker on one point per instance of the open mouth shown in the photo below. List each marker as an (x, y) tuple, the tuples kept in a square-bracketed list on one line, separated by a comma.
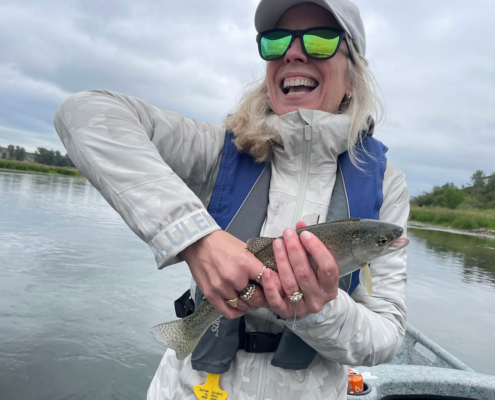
[(298, 85), (400, 243)]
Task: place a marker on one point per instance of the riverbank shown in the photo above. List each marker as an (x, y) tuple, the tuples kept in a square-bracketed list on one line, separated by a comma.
[(34, 168), (475, 221), (483, 233)]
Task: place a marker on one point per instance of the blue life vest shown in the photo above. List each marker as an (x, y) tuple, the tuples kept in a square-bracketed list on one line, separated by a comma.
[(238, 173)]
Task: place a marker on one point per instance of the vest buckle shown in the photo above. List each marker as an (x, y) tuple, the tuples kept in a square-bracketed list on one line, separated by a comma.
[(260, 342)]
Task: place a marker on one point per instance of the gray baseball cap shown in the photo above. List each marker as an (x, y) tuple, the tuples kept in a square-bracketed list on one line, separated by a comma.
[(345, 12)]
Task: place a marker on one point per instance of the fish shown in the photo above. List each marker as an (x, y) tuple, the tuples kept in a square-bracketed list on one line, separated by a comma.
[(353, 243)]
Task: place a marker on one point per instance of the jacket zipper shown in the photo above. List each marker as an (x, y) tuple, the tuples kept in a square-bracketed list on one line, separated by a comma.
[(301, 195), (260, 393), (303, 184)]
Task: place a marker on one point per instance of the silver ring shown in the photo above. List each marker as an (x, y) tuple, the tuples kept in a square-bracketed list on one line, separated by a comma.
[(247, 292), (260, 275), (296, 297)]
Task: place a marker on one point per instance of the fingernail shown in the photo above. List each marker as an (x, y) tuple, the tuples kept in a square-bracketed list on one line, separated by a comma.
[(288, 232), (306, 235), (278, 243), (266, 273)]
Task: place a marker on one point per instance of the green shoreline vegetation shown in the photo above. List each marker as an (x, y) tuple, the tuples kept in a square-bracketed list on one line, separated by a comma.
[(468, 208), (458, 219), (29, 167), (42, 161)]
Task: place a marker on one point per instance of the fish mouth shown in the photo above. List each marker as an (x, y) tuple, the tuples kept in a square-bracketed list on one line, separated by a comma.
[(400, 243)]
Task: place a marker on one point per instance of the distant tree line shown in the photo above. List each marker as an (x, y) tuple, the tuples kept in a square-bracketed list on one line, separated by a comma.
[(41, 156), (14, 153), (481, 194), (50, 157)]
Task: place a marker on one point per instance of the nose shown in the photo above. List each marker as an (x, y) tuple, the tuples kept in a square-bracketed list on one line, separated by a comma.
[(295, 54)]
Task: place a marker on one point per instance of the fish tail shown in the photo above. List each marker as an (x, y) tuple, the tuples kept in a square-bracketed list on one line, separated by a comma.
[(175, 335), (184, 335)]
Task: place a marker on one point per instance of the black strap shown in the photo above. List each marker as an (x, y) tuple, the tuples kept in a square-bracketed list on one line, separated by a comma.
[(257, 342), (260, 342)]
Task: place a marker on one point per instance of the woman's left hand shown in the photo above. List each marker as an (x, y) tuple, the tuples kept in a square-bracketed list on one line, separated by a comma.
[(297, 275)]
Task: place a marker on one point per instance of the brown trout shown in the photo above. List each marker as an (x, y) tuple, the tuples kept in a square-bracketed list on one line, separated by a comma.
[(352, 242)]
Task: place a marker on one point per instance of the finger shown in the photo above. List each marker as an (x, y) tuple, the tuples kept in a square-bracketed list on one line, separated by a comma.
[(255, 301), (245, 306), (328, 270), (218, 295), (225, 309), (254, 266), (277, 283), (258, 300), (298, 258), (301, 224), (285, 271), (276, 302)]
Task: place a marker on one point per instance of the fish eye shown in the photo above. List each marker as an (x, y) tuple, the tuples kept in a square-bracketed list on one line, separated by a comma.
[(383, 241)]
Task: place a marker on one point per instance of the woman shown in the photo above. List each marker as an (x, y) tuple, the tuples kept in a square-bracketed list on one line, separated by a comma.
[(159, 170)]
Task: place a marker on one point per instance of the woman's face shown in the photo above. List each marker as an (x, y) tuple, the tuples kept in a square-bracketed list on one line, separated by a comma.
[(329, 75)]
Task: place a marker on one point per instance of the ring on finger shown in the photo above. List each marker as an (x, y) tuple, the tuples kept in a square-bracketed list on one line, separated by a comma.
[(296, 297), (247, 292), (233, 303), (260, 275)]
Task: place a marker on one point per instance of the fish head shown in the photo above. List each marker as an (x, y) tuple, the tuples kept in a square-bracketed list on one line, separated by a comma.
[(373, 238)]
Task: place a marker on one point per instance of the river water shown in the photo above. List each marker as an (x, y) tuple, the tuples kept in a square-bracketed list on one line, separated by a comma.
[(79, 292)]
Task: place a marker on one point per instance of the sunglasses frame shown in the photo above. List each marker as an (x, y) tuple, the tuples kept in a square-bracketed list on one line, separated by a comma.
[(300, 34)]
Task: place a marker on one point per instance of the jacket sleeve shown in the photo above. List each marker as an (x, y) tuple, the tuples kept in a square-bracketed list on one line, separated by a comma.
[(362, 330), (154, 167)]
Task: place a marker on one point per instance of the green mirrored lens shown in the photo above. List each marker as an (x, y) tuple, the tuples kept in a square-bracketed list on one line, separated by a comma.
[(321, 43), (274, 44)]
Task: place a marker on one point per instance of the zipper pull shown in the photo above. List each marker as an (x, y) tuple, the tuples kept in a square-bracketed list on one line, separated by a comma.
[(307, 132)]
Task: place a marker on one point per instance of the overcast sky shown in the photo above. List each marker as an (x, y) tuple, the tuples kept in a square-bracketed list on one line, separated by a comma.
[(435, 61)]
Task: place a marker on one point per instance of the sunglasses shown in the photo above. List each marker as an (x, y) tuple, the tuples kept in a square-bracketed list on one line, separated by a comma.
[(320, 43)]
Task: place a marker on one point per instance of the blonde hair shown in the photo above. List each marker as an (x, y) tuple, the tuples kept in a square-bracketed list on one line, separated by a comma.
[(255, 136)]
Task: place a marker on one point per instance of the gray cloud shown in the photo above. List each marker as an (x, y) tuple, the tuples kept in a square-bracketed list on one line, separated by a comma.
[(434, 61)]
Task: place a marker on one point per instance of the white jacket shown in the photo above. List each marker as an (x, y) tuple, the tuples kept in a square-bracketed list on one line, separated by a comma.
[(158, 169)]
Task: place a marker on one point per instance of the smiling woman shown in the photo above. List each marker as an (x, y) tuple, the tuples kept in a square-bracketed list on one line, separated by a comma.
[(293, 81), (292, 154), (328, 76)]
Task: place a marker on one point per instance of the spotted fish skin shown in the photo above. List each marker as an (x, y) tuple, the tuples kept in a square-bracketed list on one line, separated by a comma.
[(352, 242), (183, 335)]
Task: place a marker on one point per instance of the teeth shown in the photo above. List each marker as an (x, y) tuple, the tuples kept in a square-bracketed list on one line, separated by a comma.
[(295, 93), (299, 82)]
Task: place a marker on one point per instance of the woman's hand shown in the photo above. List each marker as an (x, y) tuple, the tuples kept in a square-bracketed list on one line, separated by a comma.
[(222, 267), (297, 275)]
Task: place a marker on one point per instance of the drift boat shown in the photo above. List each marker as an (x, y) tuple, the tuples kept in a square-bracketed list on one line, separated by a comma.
[(422, 370)]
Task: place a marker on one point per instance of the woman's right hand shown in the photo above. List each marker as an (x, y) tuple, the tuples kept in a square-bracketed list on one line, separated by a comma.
[(222, 267)]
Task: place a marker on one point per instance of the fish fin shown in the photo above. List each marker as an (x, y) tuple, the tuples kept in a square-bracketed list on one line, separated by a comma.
[(365, 269), (173, 335), (345, 220), (184, 334), (259, 243)]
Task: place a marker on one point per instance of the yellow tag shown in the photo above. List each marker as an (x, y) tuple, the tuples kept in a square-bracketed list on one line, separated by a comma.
[(210, 390)]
